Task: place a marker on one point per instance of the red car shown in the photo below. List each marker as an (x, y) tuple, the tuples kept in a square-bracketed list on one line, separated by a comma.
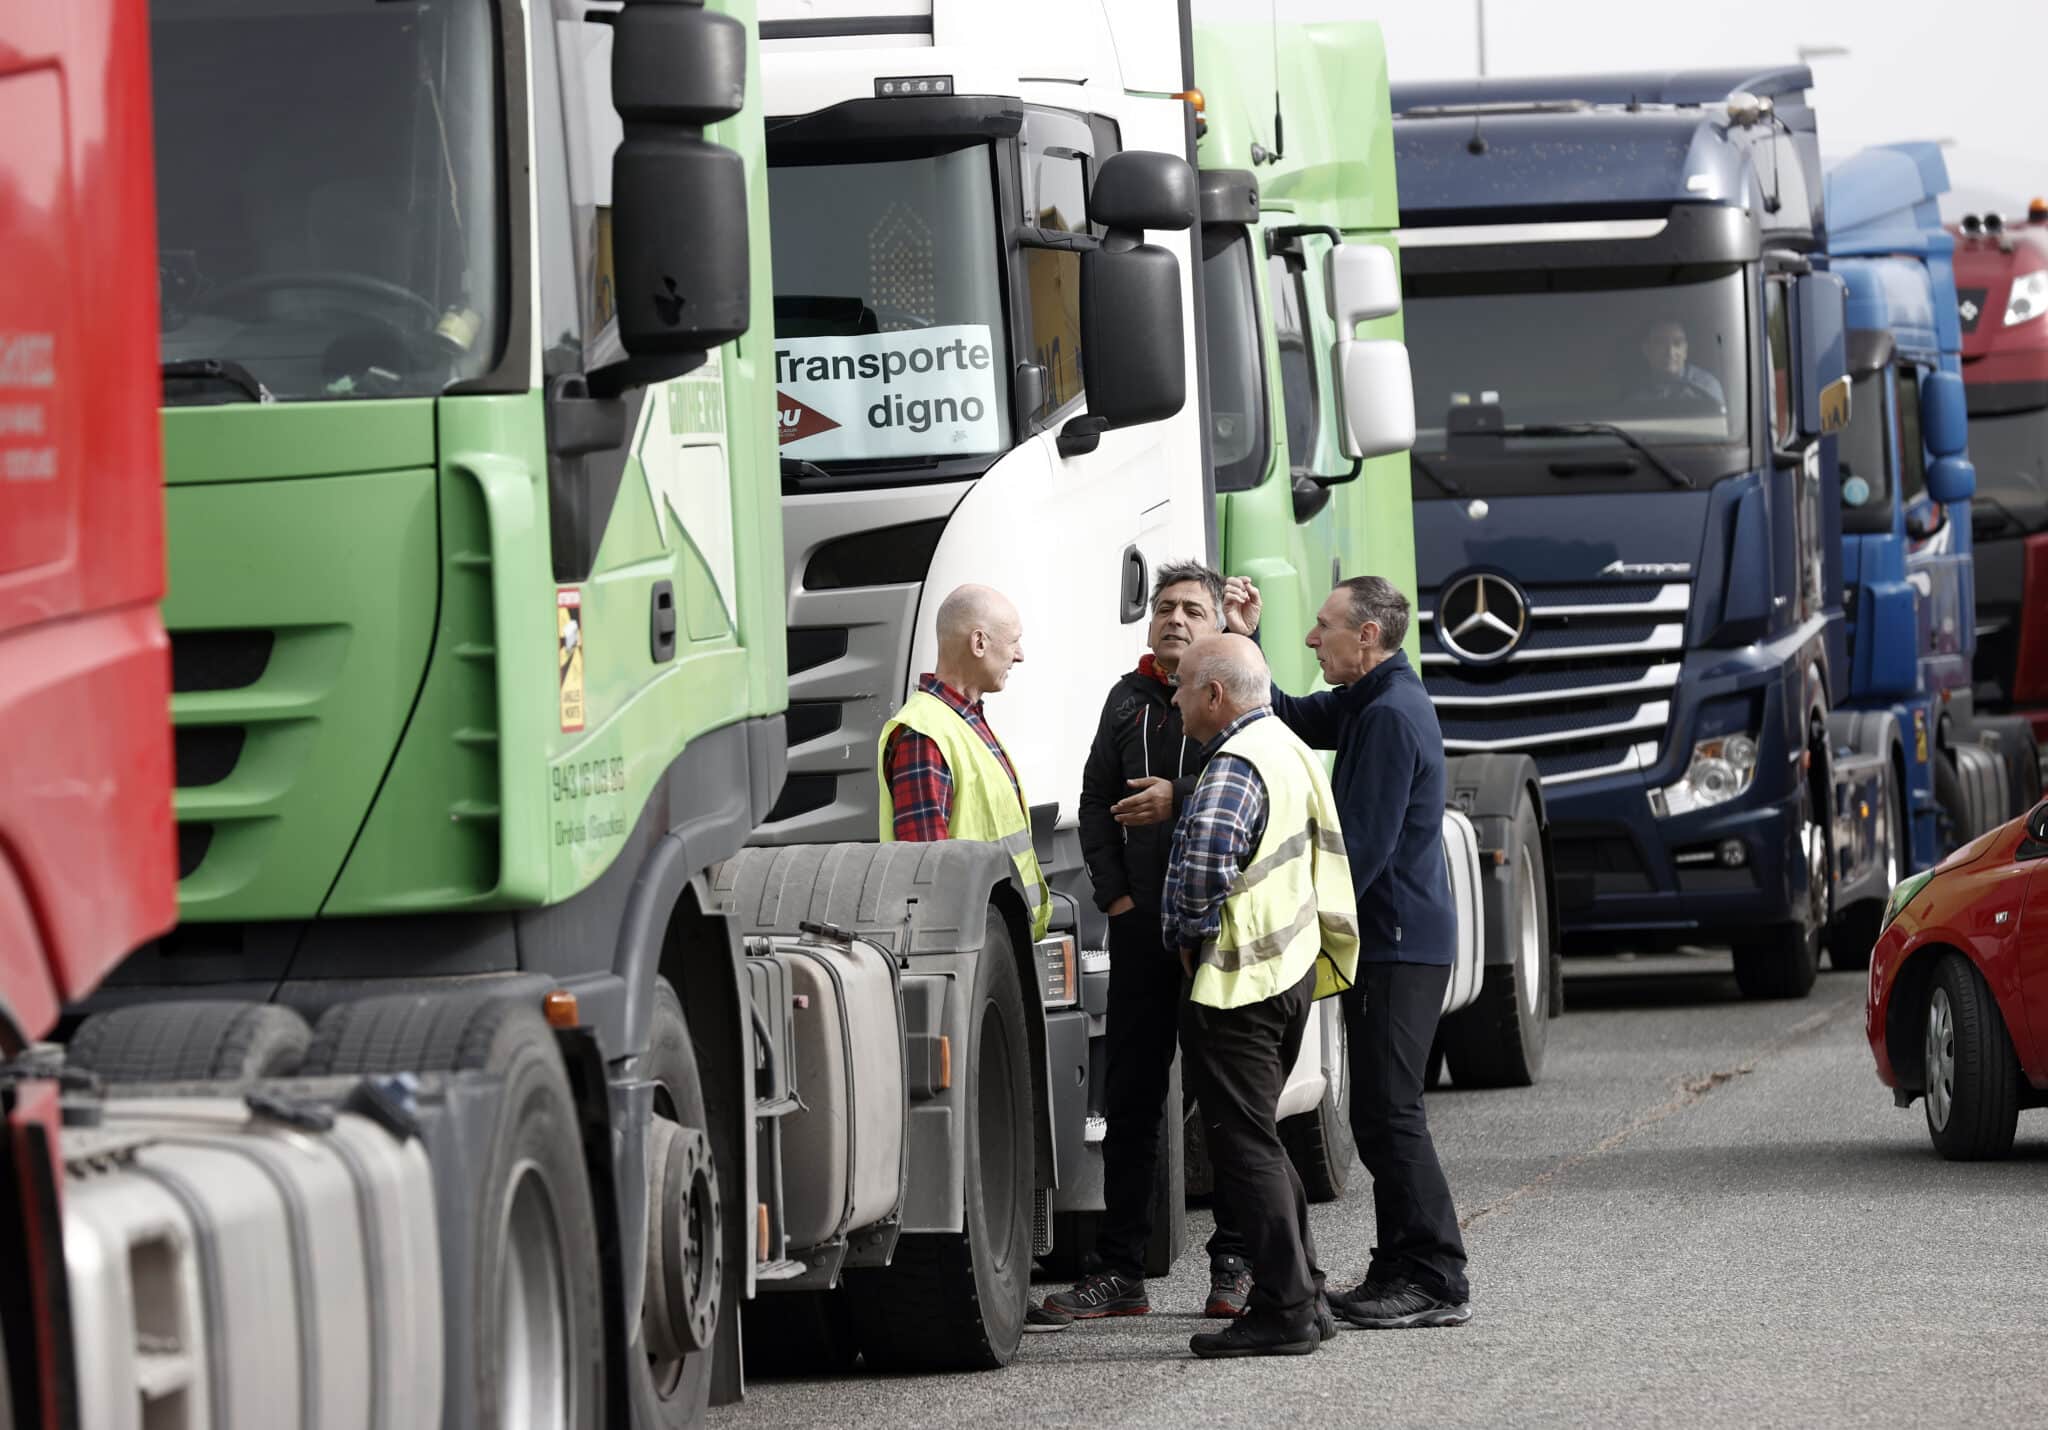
[(1957, 1011)]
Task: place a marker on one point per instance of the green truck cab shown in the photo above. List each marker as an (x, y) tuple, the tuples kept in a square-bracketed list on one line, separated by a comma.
[(1312, 413), (475, 613)]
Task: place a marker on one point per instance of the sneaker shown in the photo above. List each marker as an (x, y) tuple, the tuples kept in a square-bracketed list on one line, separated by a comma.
[(1103, 1293), (1401, 1306), (1256, 1336), (1041, 1319), (1230, 1288)]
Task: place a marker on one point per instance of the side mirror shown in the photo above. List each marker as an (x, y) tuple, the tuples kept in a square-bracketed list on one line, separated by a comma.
[(1821, 310), (1951, 479), (679, 203), (1363, 283), (1140, 189), (1134, 365), (1944, 416), (1375, 392), (2037, 826), (1924, 520)]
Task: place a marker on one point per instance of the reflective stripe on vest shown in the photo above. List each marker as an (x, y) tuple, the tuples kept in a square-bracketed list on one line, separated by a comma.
[(985, 805), (1292, 906)]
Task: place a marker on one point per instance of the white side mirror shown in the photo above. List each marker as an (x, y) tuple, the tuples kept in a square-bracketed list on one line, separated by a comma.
[(1363, 284), (1376, 396), (1374, 391)]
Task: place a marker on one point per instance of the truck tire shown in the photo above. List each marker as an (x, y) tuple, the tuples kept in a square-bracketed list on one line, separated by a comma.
[(685, 1233), (1971, 1073), (956, 1301), (1499, 1040), (1319, 1142), (2020, 753), (1783, 960), (791, 1333), (191, 1042), (529, 1222), (1855, 931), (1952, 823)]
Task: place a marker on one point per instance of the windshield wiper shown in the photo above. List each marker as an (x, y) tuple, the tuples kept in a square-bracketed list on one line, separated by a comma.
[(1604, 429), (809, 471), (225, 370), (1443, 484)]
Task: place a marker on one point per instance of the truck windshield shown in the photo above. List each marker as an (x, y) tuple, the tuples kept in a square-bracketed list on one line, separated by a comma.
[(327, 196), (1864, 456), (1666, 360), (891, 350), (2010, 452)]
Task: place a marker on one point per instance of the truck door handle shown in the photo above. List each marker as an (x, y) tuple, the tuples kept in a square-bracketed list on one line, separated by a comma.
[(1132, 607)]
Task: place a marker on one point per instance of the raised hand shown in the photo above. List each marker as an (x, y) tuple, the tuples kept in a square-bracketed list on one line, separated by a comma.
[(1241, 605)]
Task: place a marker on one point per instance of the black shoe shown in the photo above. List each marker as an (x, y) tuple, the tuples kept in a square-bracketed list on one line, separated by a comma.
[(1256, 1336), (1102, 1293), (1230, 1288), (1400, 1306), (1041, 1319), (1326, 1323)]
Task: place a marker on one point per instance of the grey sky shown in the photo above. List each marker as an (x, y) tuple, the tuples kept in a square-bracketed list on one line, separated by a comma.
[(1973, 71)]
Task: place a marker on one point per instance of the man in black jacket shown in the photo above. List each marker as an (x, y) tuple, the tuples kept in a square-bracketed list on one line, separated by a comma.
[(1140, 769), (1389, 783)]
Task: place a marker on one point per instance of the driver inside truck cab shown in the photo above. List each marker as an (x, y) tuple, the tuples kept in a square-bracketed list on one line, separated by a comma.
[(1667, 367)]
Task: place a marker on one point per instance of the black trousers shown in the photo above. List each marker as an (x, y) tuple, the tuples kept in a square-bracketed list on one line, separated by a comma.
[(1390, 1018), (1146, 991), (1240, 1058)]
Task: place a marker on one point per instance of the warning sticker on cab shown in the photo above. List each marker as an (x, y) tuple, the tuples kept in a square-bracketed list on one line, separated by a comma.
[(922, 393), (569, 655)]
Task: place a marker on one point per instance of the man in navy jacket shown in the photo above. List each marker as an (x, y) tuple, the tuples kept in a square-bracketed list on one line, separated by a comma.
[(1389, 783)]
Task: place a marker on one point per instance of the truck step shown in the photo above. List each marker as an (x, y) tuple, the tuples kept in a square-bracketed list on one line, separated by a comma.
[(784, 1270)]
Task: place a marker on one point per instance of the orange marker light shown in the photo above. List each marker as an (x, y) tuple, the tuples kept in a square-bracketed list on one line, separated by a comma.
[(945, 1062), (1194, 99), (761, 1230), (560, 1009)]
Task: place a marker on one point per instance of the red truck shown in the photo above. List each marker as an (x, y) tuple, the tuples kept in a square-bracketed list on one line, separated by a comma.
[(2002, 297), (88, 866)]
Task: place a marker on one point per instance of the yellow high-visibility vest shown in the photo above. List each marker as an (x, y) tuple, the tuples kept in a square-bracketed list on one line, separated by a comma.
[(985, 807), (1292, 905)]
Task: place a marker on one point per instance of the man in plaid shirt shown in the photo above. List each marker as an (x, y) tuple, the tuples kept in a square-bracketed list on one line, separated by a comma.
[(980, 637)]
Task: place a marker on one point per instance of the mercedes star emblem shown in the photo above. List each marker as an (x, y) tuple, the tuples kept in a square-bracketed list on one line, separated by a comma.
[(1481, 618)]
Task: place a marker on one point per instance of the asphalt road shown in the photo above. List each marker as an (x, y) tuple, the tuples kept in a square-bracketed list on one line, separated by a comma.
[(1708, 1213)]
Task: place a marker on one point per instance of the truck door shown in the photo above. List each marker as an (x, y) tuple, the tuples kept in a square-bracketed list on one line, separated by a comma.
[(1937, 558)]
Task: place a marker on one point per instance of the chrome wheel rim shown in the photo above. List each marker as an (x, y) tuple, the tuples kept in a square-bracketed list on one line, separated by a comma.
[(533, 1362), (1340, 1052), (1529, 956), (1941, 1058)]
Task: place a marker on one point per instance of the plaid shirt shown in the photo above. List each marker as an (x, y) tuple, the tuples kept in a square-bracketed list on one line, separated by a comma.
[(1221, 826), (920, 785)]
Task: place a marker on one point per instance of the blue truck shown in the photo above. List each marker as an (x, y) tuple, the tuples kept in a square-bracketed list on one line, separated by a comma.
[(1629, 359), (1905, 482)]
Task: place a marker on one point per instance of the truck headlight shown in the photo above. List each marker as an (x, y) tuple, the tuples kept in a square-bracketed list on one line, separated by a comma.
[(1059, 960), (2029, 297), (1721, 769), (1902, 895)]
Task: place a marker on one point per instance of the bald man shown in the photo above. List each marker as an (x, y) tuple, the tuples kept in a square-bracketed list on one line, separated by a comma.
[(943, 772), (1258, 905)]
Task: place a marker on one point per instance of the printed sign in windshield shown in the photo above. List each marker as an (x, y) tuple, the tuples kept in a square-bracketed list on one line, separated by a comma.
[(926, 392)]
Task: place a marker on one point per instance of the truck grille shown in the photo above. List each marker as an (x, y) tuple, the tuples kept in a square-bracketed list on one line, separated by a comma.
[(1586, 693)]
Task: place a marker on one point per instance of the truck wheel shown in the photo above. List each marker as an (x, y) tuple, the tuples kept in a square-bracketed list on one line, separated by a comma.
[(1972, 1075), (191, 1042), (956, 1301), (791, 1333), (1855, 931), (1200, 1175), (1319, 1142), (1782, 960), (1952, 829), (1499, 1040), (535, 1300), (685, 1232), (2020, 753)]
